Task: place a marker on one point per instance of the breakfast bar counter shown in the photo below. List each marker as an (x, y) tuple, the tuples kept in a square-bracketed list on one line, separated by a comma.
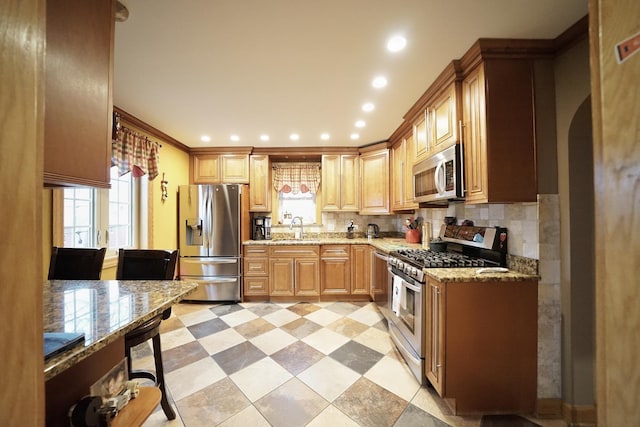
[(104, 310)]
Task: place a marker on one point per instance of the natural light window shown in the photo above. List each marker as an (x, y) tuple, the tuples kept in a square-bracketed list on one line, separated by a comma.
[(292, 205)]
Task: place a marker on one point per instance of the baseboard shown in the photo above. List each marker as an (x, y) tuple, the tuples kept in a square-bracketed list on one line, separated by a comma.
[(579, 415), (549, 408)]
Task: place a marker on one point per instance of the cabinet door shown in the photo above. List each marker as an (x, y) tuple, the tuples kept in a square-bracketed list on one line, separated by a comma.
[(434, 365), (445, 120), (234, 168), (397, 176), (374, 181), (281, 279), (307, 277), (259, 184), (335, 270), (360, 269), (409, 161), (206, 169), (349, 182), (379, 276), (78, 92), (330, 182), (420, 131), (474, 135)]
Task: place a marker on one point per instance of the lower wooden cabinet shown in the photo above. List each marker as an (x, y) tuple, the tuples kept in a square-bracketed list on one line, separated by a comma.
[(294, 270), (335, 270), (361, 270), (481, 344), (256, 271)]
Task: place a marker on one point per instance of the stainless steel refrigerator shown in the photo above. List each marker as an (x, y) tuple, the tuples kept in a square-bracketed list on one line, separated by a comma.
[(209, 233)]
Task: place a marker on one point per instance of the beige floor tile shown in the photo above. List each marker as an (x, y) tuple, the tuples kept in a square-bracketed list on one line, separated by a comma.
[(366, 315), (281, 410), (323, 317), (395, 377), (186, 308), (191, 378), (238, 317), (176, 338), (329, 378), (159, 419), (325, 340), (260, 378), (272, 341), (281, 317), (248, 417), (332, 417), (348, 327), (375, 339), (222, 340), (213, 404), (197, 317)]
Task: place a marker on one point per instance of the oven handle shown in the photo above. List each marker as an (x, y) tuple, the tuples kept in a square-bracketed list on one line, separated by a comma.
[(405, 282)]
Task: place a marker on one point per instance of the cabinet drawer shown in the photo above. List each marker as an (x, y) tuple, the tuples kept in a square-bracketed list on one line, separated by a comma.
[(256, 286), (296, 251), (334, 251), (256, 251), (256, 266)]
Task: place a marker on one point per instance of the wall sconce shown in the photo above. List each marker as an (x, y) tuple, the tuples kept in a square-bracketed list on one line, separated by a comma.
[(163, 188)]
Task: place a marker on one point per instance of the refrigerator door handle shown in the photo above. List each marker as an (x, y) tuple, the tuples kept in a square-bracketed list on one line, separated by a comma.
[(213, 261)]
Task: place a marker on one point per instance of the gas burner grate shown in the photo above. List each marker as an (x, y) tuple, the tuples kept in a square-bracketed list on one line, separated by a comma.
[(425, 258)]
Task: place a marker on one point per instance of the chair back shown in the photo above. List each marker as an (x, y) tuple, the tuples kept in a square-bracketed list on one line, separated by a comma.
[(146, 264), (76, 263)]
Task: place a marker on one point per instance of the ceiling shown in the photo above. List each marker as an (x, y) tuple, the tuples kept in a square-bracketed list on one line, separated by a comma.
[(276, 67)]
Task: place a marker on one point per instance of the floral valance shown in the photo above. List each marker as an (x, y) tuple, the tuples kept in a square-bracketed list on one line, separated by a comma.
[(134, 152), (296, 177)]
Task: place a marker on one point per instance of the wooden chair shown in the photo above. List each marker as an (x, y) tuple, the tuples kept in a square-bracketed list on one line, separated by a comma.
[(148, 264), (76, 263)]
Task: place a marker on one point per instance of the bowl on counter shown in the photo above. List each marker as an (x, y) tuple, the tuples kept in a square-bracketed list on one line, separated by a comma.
[(438, 246)]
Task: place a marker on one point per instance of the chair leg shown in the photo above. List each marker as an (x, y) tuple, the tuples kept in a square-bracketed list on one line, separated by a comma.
[(164, 401)]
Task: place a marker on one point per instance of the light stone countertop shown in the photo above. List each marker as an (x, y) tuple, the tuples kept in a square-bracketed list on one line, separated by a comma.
[(104, 310)]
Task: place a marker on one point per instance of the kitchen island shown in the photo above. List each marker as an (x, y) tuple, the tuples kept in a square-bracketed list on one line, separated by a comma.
[(104, 310)]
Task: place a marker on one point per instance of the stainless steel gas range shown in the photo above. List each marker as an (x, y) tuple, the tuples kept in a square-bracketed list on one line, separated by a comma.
[(404, 309)]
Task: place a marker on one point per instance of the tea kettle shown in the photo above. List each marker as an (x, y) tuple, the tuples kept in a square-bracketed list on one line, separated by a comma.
[(373, 230)]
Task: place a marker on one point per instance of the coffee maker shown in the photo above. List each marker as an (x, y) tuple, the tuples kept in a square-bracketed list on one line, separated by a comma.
[(261, 228)]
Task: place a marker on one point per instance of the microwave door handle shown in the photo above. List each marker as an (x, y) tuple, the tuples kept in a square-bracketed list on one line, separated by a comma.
[(438, 181)]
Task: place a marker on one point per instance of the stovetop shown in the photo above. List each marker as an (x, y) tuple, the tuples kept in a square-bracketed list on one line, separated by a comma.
[(425, 258)]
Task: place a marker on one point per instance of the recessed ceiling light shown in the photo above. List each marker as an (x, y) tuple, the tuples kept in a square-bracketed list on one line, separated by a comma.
[(294, 137), (264, 137), (235, 138), (205, 138), (396, 43), (379, 82), (368, 106), (360, 124), (355, 136), (325, 136)]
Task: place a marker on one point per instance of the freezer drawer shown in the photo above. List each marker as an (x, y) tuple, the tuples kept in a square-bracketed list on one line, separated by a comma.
[(209, 267), (215, 288)]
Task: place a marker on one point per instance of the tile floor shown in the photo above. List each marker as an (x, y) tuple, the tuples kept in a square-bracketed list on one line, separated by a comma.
[(266, 364)]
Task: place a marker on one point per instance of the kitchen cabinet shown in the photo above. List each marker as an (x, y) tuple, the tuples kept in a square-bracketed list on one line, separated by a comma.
[(402, 161), (335, 270), (420, 135), (216, 168), (340, 182), (361, 271), (78, 92), (379, 276), (374, 182), (444, 119), (256, 272), (481, 344), (294, 271), (259, 183), (499, 132)]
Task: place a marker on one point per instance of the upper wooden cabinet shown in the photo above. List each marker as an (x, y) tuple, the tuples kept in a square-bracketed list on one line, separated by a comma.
[(215, 168), (499, 131), (444, 118), (402, 160), (374, 182), (78, 92), (259, 183), (340, 182)]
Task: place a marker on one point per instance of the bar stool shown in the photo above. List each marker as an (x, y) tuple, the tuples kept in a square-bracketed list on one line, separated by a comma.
[(76, 263), (148, 264)]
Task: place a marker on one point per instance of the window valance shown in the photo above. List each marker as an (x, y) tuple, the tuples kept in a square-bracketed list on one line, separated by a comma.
[(296, 177), (134, 152)]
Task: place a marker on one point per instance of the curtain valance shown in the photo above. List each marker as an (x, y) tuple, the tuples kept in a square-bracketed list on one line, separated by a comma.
[(296, 177), (135, 153)]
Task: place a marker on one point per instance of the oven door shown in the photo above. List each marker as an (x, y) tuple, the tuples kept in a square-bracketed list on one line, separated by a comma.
[(406, 311)]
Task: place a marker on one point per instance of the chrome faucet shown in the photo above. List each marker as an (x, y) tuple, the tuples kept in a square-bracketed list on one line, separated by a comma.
[(293, 220)]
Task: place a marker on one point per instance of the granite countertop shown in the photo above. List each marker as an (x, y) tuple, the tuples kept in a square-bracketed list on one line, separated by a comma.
[(104, 310), (472, 275), (384, 244)]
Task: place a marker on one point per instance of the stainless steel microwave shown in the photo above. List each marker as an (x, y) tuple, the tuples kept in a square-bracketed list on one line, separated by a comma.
[(439, 177)]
